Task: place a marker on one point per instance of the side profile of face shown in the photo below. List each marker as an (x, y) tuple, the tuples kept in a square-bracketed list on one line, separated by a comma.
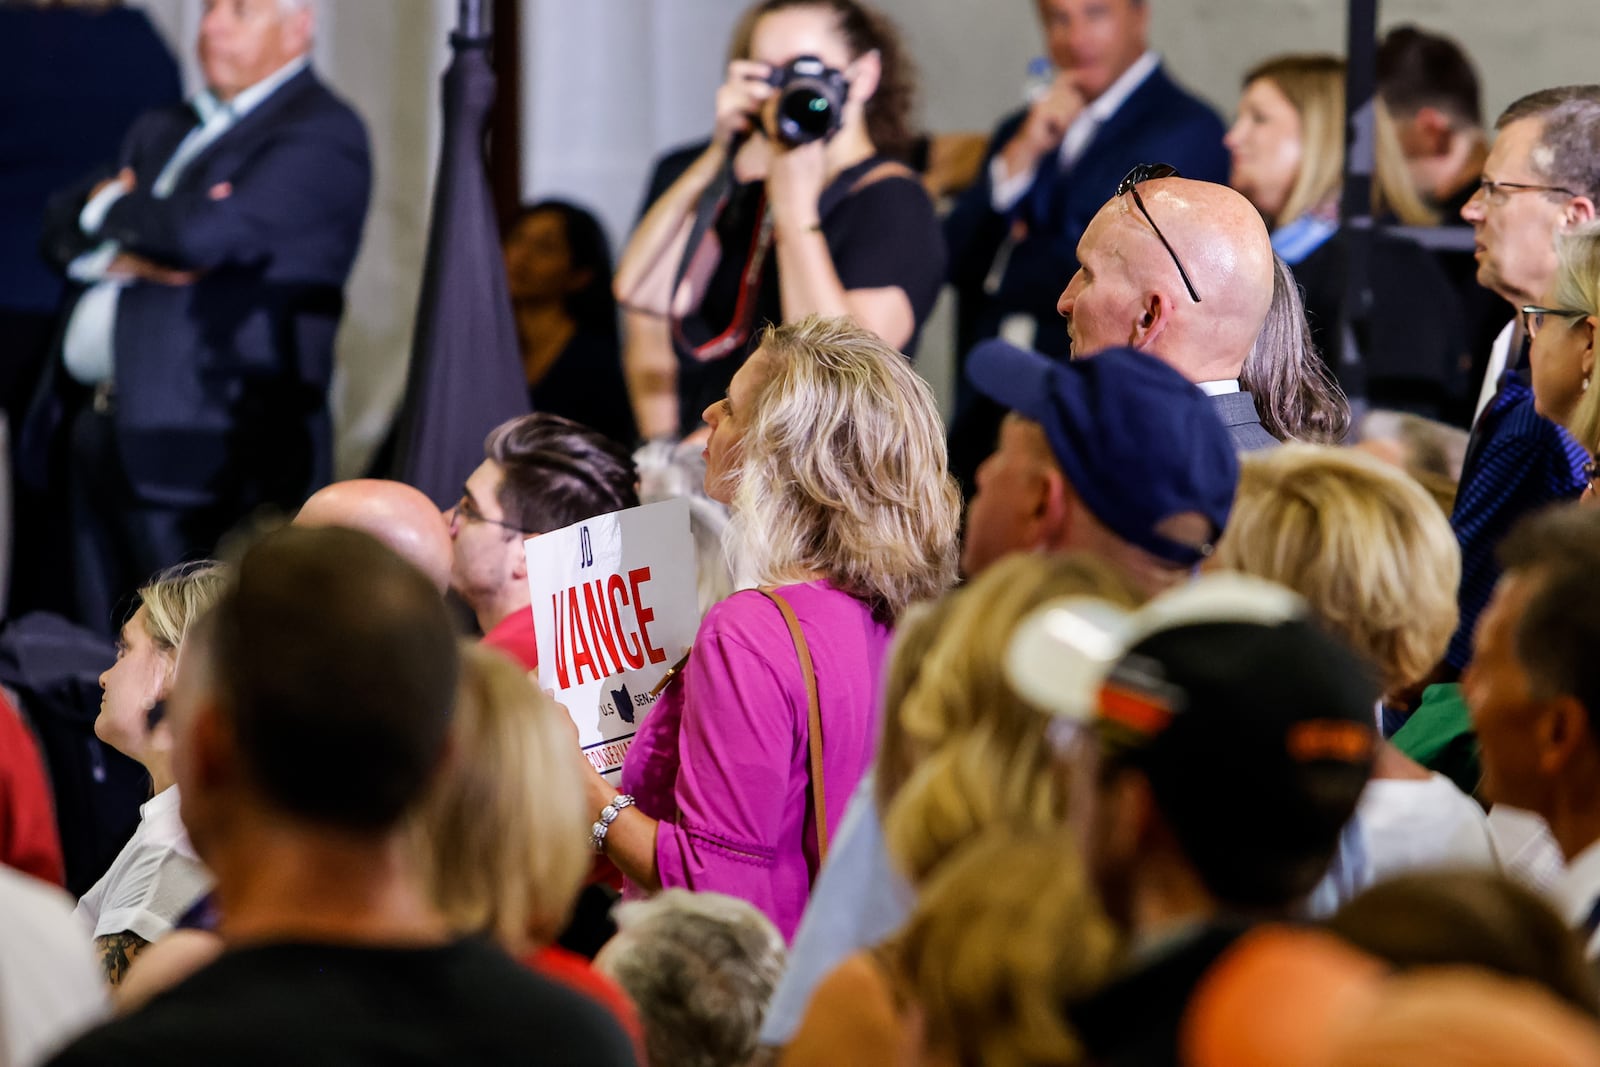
[(1104, 302), (1009, 511), (1266, 146), (1096, 41), (1561, 358), (244, 41), (131, 687), (1499, 695), (486, 556), (729, 419), (539, 260), (1515, 228)]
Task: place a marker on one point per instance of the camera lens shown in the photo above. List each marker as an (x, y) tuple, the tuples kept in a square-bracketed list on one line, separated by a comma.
[(805, 114)]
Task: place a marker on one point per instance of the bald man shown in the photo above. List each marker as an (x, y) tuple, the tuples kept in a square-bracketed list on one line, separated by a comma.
[(396, 514), (1129, 290)]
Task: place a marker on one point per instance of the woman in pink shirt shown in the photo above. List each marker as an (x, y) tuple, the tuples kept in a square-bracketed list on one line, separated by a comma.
[(830, 454)]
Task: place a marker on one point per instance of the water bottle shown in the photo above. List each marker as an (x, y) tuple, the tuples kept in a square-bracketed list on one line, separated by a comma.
[(1041, 76)]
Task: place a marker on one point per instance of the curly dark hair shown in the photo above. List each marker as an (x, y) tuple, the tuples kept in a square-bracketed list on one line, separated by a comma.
[(865, 29)]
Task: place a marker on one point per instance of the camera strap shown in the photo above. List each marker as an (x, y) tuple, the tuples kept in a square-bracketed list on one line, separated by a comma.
[(689, 331)]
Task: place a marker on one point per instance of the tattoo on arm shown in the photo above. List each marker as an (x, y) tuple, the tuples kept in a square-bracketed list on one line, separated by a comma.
[(116, 953)]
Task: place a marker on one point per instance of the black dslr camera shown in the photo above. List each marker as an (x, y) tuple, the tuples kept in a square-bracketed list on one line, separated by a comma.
[(810, 100)]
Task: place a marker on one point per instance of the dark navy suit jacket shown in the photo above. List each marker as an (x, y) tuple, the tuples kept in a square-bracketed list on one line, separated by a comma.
[(1158, 123), (222, 385)]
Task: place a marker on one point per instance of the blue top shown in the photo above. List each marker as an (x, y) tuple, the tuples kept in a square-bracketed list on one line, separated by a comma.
[(1517, 462), (71, 84), (858, 901)]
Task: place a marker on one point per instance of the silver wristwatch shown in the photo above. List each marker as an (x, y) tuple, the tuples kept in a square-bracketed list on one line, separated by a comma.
[(608, 815)]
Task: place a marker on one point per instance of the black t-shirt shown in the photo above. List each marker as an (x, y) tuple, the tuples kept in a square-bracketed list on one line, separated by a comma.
[(1135, 1019), (881, 232), (461, 1004)]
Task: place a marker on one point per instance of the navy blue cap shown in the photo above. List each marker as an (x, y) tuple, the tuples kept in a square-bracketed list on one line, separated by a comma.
[(1138, 442)]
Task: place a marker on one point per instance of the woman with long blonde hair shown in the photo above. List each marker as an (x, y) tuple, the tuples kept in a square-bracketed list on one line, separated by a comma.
[(1288, 148)]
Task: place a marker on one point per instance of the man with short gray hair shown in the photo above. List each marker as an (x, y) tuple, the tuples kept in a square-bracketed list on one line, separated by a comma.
[(197, 351), (1542, 177)]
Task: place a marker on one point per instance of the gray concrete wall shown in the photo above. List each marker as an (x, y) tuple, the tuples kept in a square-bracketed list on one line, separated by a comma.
[(609, 83)]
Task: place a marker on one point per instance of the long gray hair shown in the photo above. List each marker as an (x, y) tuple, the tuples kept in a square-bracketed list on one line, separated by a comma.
[(1296, 395)]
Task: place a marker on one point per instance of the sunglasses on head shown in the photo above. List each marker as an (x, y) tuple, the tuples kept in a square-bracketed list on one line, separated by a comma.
[(1149, 172)]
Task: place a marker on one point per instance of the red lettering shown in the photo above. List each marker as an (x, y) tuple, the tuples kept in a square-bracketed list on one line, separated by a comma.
[(630, 649), (581, 655), (636, 578), (561, 645), (600, 625)]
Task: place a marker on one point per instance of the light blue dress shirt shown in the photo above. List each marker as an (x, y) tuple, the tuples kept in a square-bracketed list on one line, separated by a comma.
[(87, 348)]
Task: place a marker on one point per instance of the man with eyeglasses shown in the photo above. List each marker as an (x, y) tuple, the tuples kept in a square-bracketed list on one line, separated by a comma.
[(1542, 177), (541, 473)]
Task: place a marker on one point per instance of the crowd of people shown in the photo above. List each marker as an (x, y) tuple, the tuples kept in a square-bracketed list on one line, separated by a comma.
[(1214, 686)]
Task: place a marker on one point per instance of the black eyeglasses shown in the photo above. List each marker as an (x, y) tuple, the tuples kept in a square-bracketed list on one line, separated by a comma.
[(1149, 172), (1497, 192), (468, 509), (1535, 315)]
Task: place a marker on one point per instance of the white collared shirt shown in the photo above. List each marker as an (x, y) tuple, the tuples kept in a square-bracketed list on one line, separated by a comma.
[(1499, 357), (1577, 891), (1006, 191), (1219, 388), (154, 880), (86, 349)]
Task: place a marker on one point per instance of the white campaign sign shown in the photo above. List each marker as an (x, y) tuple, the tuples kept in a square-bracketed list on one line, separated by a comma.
[(614, 609)]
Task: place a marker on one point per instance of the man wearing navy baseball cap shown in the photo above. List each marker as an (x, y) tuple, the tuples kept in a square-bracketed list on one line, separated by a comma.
[(1119, 455)]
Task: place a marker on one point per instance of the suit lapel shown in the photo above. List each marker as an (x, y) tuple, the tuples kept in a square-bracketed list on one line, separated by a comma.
[(245, 131)]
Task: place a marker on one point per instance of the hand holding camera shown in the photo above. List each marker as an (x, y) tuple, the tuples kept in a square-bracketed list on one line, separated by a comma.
[(795, 104)]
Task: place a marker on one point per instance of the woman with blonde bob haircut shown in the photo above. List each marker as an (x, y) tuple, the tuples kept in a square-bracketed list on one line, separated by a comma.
[(960, 754), (1288, 154), (829, 451), (1377, 561), (157, 877), (500, 837), (1004, 934)]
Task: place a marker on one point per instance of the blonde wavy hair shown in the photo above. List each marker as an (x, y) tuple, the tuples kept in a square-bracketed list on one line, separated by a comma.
[(1359, 539), (176, 598), (989, 958), (1578, 287), (973, 754), (844, 473), (1314, 84), (500, 835)]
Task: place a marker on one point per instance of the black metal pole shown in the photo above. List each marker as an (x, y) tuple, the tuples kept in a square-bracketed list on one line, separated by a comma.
[(1355, 205)]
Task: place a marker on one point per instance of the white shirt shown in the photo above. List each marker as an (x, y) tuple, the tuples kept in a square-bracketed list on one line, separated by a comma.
[(86, 349), (154, 879), (1527, 851), (1005, 192), (1577, 891), (1403, 825), (1499, 356), (1221, 388), (50, 986)]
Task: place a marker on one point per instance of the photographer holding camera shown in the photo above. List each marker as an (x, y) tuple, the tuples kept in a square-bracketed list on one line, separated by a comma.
[(798, 206)]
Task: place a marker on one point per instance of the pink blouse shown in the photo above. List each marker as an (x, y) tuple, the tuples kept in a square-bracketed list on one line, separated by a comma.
[(722, 759)]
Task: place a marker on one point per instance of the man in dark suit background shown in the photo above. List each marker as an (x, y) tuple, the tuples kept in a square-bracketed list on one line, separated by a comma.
[(197, 355), (1013, 235)]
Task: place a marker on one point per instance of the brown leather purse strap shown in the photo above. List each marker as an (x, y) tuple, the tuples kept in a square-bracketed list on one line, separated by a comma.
[(819, 797)]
